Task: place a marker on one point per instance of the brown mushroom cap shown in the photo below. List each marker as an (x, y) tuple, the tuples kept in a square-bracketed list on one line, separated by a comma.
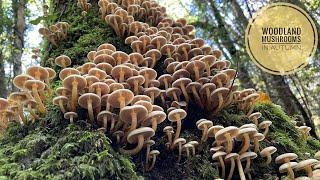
[(39, 84), (104, 88), (107, 46), (232, 130), (245, 155), (121, 70), (285, 157), (58, 99), (172, 116), (120, 96), (83, 99), (146, 132), (139, 111), (158, 116), (100, 74), (302, 164), (19, 80), (68, 115), (4, 104), (140, 97), (120, 57), (81, 82), (63, 61), (268, 150), (65, 72), (104, 58), (146, 104), (38, 72)]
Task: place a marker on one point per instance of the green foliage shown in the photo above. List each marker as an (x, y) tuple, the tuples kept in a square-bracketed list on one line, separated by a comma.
[(43, 18)]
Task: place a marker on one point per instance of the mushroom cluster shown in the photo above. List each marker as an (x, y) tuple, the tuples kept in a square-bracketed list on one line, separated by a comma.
[(127, 98), (55, 33), (84, 5), (33, 86), (309, 166)]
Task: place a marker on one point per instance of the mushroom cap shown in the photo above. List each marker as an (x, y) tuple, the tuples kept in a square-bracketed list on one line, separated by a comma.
[(139, 79), (31, 102), (187, 146), (158, 116), (81, 81), (30, 83), (243, 131), (120, 57), (20, 79), (230, 156), (102, 114), (146, 132), (91, 79), (86, 67), (104, 58), (18, 96), (195, 64), (103, 86), (123, 94), (91, 55), (215, 95), (154, 153), (179, 140), (4, 104), (148, 73), (302, 178), (218, 154), (265, 124), (65, 72), (115, 72), (252, 97), (305, 163), (100, 74), (289, 156), (149, 142), (180, 74), (140, 97), (258, 137), (38, 70), (138, 110), (154, 90), (213, 130), (284, 167), (84, 98), (245, 155), (172, 116), (250, 125), (268, 150), (115, 86), (52, 72), (168, 128), (68, 115), (61, 90), (232, 130), (136, 57), (181, 82), (219, 77), (204, 124), (216, 148), (197, 86), (105, 67), (146, 104), (107, 46), (304, 129), (57, 99), (63, 59), (171, 91), (256, 115)]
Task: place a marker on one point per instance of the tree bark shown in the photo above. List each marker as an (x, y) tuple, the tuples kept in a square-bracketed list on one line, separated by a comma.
[(3, 87), (18, 7)]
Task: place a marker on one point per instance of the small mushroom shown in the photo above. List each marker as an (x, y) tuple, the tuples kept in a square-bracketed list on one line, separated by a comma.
[(89, 101), (154, 118), (138, 136), (133, 115), (244, 135), (36, 86), (287, 167), (153, 154), (267, 152), (220, 156), (265, 125), (61, 101), (187, 148), (307, 166), (179, 142), (71, 116), (256, 139), (248, 156), (75, 83), (231, 157), (177, 116), (120, 98), (204, 125), (254, 117), (169, 131), (227, 134), (63, 61)]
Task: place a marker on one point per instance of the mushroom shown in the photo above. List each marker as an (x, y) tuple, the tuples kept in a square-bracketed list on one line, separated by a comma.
[(213, 130), (220, 156), (304, 130), (153, 154), (231, 157), (254, 117), (187, 148), (248, 156), (154, 118), (89, 101), (267, 152), (31, 104), (138, 136), (194, 88), (71, 116), (119, 135), (169, 131), (133, 115), (244, 135), (287, 167), (173, 93), (179, 142), (265, 125), (227, 134), (120, 98), (181, 84), (75, 83), (35, 86), (99, 88), (256, 139), (204, 125), (218, 97), (63, 61), (136, 82), (148, 74), (195, 67), (61, 101), (307, 166), (177, 116)]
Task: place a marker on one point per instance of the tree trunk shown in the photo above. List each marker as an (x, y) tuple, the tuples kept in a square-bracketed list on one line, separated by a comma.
[(18, 7), (3, 87)]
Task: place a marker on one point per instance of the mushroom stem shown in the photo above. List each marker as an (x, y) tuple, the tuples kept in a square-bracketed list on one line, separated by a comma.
[(134, 122), (220, 103), (63, 110), (105, 122), (193, 151), (90, 111), (185, 54), (153, 163), (178, 129), (248, 164), (204, 134), (229, 143), (196, 73), (188, 153), (208, 69), (290, 172), (266, 130), (74, 95), (136, 88), (197, 97), (33, 114), (184, 91), (166, 85), (246, 143), (256, 145), (136, 150), (147, 155), (154, 124), (240, 169), (308, 169), (42, 109), (71, 119), (121, 78), (112, 124), (180, 152), (269, 159), (231, 169), (223, 168)]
